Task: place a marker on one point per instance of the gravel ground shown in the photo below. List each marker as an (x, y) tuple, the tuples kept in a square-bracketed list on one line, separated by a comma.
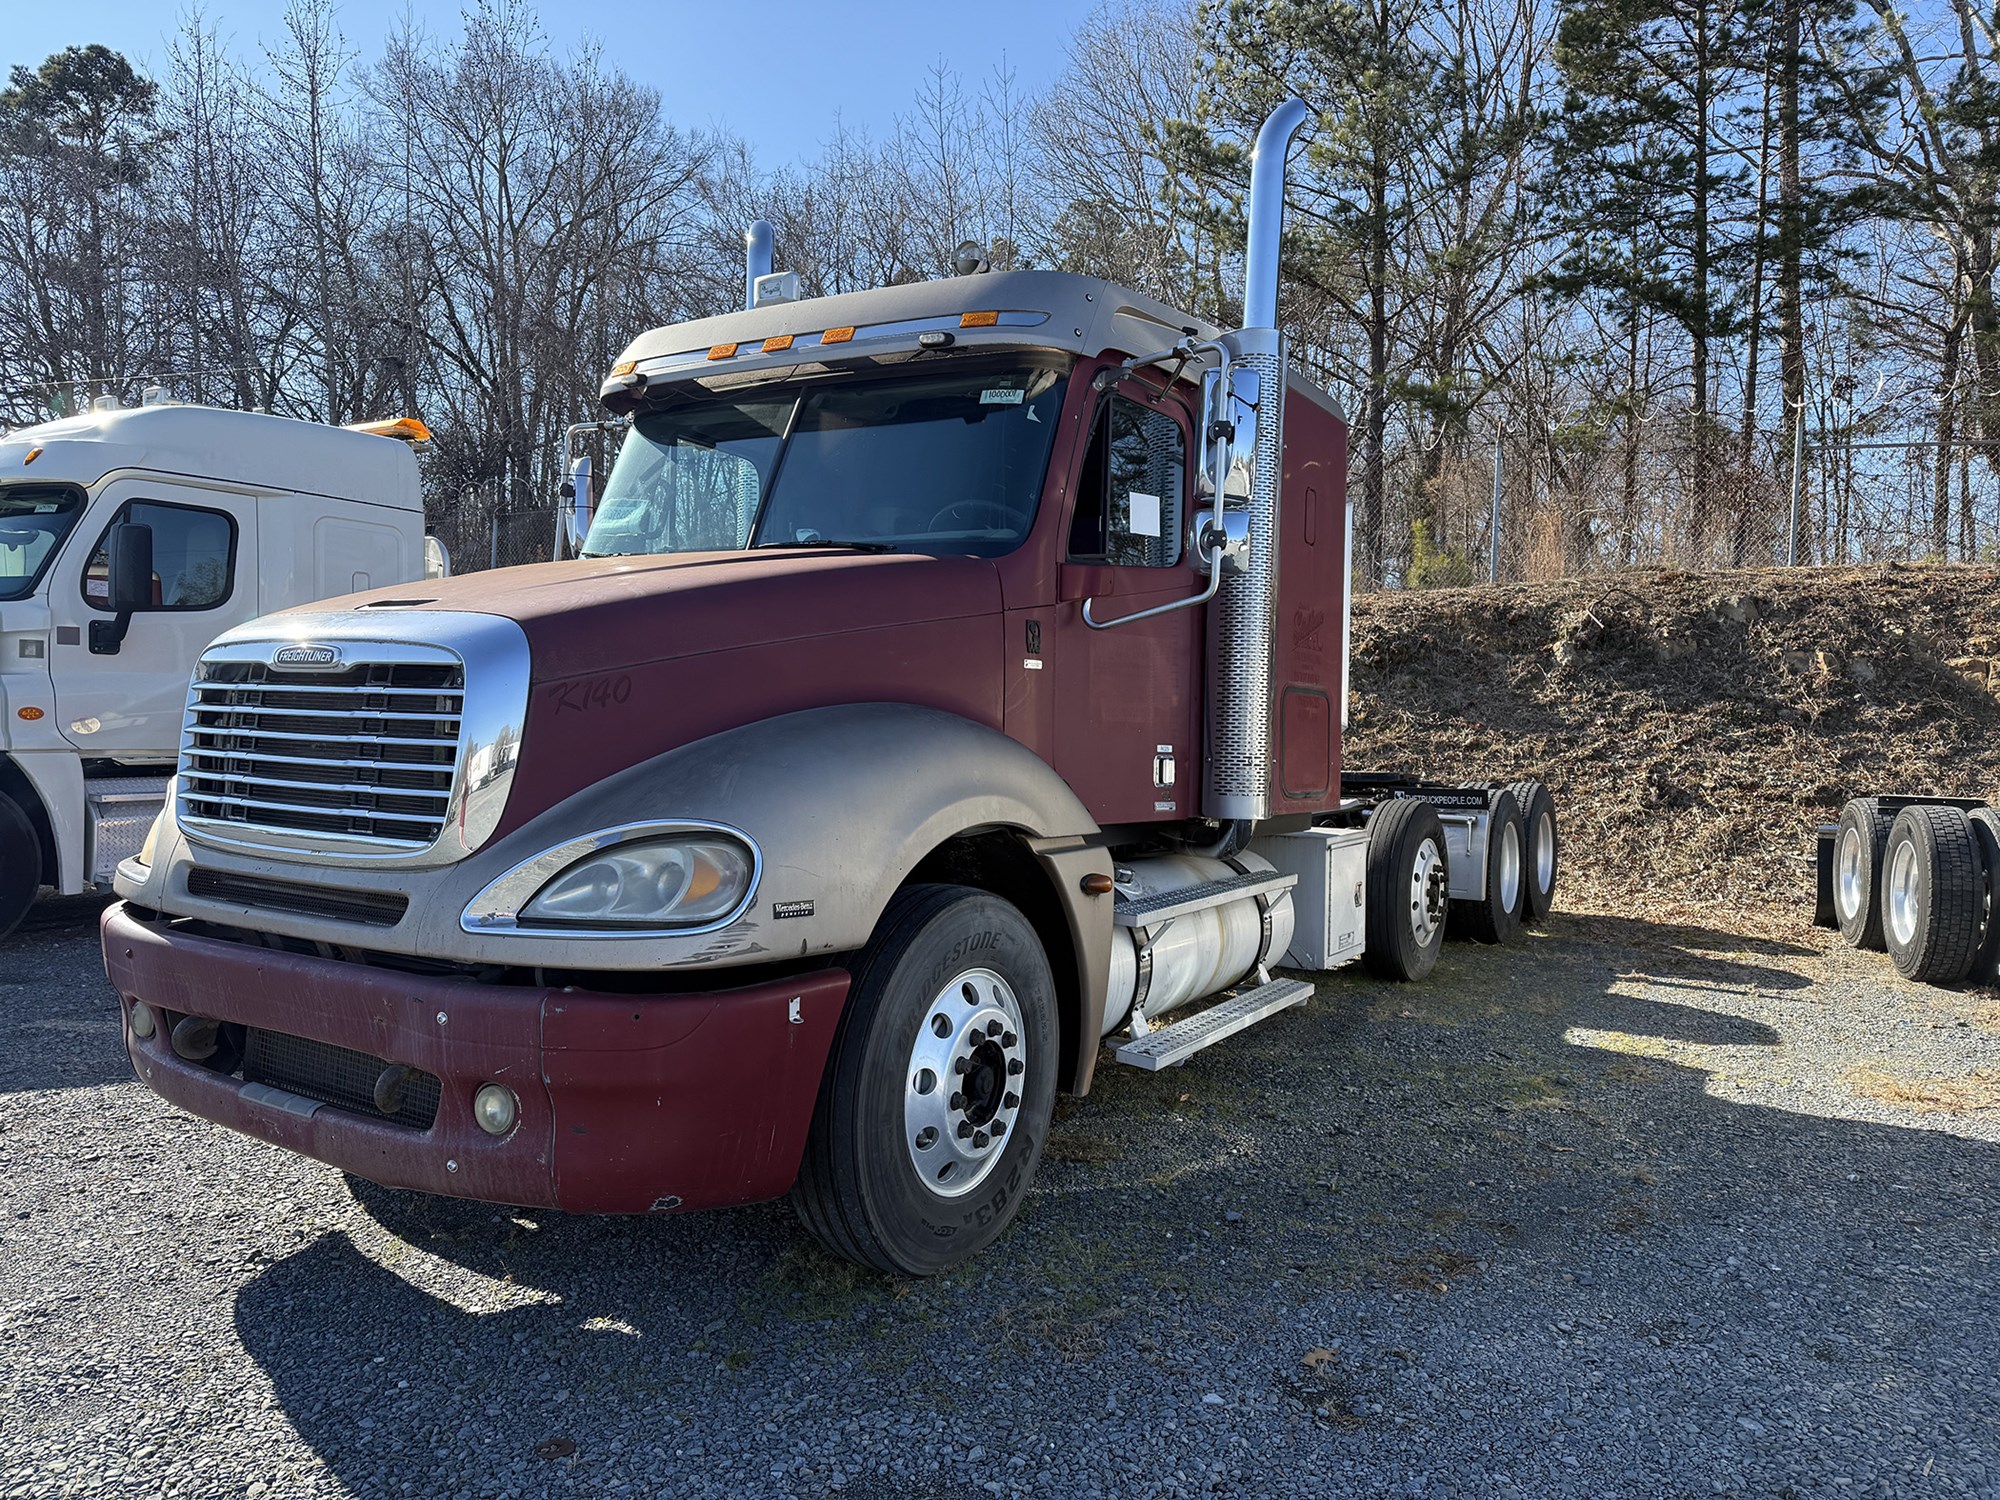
[(1629, 1210)]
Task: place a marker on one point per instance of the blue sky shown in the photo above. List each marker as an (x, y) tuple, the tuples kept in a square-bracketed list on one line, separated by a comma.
[(775, 73)]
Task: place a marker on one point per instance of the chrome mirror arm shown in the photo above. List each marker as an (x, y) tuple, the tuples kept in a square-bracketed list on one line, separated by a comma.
[(1212, 536)]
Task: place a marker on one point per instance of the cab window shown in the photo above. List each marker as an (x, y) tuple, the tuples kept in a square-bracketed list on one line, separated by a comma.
[(33, 523), (1129, 495), (194, 556)]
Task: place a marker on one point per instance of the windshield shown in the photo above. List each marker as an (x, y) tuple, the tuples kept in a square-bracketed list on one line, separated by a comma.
[(931, 462), (33, 523)]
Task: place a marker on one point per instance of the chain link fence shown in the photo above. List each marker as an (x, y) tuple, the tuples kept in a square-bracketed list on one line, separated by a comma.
[(1519, 509), (1514, 508)]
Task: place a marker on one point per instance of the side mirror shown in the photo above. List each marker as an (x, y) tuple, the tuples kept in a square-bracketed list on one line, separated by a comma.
[(577, 502), (1228, 432), (130, 559)]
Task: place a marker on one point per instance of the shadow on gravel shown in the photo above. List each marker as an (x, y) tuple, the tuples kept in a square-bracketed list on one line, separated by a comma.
[(590, 1320), (1503, 1251), (58, 1018)]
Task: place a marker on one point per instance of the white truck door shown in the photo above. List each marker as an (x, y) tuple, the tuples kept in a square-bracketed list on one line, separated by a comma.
[(351, 553), (128, 705)]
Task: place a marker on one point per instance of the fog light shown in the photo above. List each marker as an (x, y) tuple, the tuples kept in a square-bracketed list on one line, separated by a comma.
[(494, 1107), (142, 1019)]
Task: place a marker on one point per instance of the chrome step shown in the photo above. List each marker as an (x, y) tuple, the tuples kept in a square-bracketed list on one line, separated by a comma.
[(1150, 911), (1164, 1046)]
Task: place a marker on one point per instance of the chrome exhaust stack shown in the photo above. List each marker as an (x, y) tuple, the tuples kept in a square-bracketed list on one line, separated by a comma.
[(1242, 637), (757, 259)]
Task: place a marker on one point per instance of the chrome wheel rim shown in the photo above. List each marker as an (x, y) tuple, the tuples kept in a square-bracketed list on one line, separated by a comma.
[(1429, 891), (1902, 911), (1545, 852), (1848, 891), (1510, 867), (962, 1089)]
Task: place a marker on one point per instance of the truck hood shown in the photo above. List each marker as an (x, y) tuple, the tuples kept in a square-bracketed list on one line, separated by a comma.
[(603, 614)]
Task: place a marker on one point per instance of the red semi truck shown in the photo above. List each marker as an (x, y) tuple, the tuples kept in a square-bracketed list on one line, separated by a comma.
[(951, 685)]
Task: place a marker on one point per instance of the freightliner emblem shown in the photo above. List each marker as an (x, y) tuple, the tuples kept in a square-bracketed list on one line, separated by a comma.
[(324, 658)]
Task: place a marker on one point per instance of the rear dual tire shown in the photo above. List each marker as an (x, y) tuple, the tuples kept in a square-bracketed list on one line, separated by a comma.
[(1933, 901), (1497, 916), (1860, 846), (1409, 890), (1544, 850)]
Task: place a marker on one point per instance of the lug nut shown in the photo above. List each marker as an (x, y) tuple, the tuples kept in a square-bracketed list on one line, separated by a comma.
[(998, 1127), (1012, 1101), (964, 1129), (980, 1139), (1008, 1039), (994, 1028), (958, 1065), (957, 1101), (1015, 1067)]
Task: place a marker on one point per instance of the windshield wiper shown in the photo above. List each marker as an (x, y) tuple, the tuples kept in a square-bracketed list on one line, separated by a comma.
[(828, 541)]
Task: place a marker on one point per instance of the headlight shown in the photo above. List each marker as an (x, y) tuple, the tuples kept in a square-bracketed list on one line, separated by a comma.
[(668, 882)]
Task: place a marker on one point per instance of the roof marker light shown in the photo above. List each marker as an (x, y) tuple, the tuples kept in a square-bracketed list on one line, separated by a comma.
[(937, 338), (31, 456), (979, 320), (624, 367), (838, 335), (776, 342), (722, 351)]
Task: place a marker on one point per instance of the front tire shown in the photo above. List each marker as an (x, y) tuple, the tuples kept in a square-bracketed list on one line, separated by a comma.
[(936, 1101), (20, 864)]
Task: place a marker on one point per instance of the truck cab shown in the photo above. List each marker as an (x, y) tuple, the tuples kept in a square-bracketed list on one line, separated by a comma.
[(236, 514), (949, 691)]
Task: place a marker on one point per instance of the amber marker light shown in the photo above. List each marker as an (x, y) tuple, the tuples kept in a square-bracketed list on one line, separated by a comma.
[(31, 455), (722, 351), (30, 713), (837, 336), (776, 342), (979, 320), (624, 368)]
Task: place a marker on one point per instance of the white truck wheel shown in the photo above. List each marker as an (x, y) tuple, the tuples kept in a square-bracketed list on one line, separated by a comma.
[(20, 864), (1860, 841), (937, 1098)]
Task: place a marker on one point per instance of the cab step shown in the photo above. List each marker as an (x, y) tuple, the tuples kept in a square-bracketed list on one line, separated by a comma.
[(1150, 911), (1163, 1046)]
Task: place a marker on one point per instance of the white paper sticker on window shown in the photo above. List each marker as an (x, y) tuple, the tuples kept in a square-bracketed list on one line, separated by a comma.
[(1001, 398), (1145, 516)]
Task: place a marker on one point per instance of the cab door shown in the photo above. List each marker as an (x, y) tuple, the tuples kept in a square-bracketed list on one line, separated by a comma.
[(128, 704), (1128, 698)]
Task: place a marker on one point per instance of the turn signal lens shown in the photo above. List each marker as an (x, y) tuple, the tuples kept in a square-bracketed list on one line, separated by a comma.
[(495, 1108), (142, 1019), (30, 713)]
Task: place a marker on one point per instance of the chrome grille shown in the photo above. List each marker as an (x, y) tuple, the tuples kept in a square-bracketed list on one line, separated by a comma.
[(368, 751)]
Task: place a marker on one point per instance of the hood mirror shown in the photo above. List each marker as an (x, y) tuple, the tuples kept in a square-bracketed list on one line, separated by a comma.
[(578, 502)]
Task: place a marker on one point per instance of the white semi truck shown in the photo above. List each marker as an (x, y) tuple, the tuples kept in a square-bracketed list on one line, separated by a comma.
[(129, 539)]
